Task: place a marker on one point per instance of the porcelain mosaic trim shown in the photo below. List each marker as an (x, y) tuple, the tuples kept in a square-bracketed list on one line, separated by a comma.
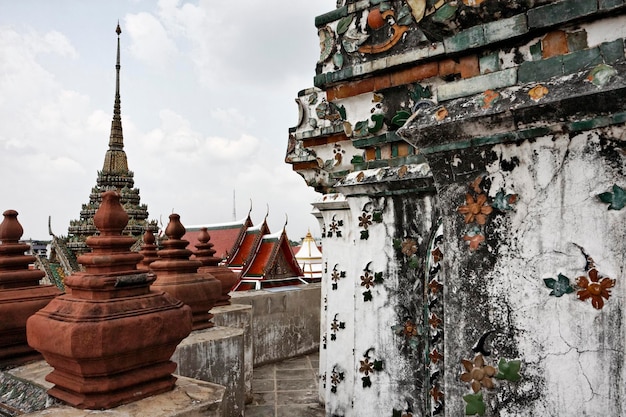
[(367, 219), (615, 199), (370, 280), (335, 276), (336, 377), (334, 228), (369, 366), (591, 286), (434, 298), (335, 326), (477, 210), (480, 375)]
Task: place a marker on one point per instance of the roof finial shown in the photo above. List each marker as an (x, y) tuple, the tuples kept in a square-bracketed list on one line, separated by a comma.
[(115, 159)]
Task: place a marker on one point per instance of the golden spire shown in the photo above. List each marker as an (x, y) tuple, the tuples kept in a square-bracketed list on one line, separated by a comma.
[(115, 158)]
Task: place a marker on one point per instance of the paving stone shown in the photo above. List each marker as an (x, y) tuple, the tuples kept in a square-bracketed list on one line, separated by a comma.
[(296, 384), (294, 392), (297, 397), (264, 372), (300, 363), (260, 411), (293, 373), (299, 411), (559, 12), (263, 398), (263, 385)]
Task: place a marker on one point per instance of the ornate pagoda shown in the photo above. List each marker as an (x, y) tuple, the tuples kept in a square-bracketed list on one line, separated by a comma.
[(114, 175)]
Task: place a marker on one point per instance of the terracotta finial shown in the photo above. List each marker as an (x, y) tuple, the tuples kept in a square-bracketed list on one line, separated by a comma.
[(205, 252), (10, 229), (175, 229), (110, 219), (210, 264), (20, 293), (148, 237), (178, 275), (148, 250), (110, 250)]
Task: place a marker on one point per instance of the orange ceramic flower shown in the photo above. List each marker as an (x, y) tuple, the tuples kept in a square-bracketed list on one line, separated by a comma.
[(478, 373), (441, 114), (596, 289), (367, 280), (475, 209), (366, 367), (409, 247), (410, 330), (474, 240), (538, 92), (436, 394), (435, 356), (365, 220)]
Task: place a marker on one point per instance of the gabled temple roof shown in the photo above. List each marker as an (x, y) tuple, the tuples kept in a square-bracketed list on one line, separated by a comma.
[(273, 259), (245, 253), (226, 237), (251, 251)]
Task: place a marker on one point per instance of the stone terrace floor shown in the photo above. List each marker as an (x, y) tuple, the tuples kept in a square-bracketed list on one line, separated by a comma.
[(286, 389)]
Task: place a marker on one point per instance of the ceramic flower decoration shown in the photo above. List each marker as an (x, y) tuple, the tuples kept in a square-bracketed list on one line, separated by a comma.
[(559, 286), (477, 373), (595, 288), (616, 199), (475, 209)]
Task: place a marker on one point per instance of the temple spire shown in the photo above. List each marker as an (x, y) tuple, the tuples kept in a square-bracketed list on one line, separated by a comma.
[(115, 158)]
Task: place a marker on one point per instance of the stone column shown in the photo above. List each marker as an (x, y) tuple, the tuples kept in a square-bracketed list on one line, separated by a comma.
[(178, 276), (20, 293), (210, 264), (111, 338)]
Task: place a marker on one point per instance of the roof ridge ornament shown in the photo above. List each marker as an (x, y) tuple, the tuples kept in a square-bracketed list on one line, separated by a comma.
[(115, 160)]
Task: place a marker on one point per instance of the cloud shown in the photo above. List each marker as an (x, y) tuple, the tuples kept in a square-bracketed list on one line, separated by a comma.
[(150, 42), (232, 117)]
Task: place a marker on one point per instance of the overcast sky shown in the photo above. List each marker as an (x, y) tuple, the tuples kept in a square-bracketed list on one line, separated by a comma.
[(207, 90)]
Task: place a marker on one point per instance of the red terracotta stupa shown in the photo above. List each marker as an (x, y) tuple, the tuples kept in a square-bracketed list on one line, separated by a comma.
[(178, 275), (210, 264), (148, 250), (111, 338), (20, 293)]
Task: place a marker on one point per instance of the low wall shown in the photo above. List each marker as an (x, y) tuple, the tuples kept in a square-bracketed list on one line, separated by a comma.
[(285, 321)]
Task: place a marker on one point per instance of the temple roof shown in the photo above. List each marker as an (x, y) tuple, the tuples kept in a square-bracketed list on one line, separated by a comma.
[(226, 237), (308, 249), (272, 259), (114, 175)]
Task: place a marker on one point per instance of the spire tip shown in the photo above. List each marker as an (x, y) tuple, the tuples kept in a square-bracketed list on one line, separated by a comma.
[(118, 29)]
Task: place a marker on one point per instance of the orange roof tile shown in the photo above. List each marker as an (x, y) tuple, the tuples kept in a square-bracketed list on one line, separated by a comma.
[(245, 253), (225, 237)]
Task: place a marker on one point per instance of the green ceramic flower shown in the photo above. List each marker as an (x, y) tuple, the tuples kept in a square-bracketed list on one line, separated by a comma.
[(509, 370), (475, 404), (616, 199), (559, 286)]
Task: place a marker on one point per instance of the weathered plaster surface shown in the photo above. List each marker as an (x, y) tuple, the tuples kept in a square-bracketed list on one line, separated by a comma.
[(489, 227)]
